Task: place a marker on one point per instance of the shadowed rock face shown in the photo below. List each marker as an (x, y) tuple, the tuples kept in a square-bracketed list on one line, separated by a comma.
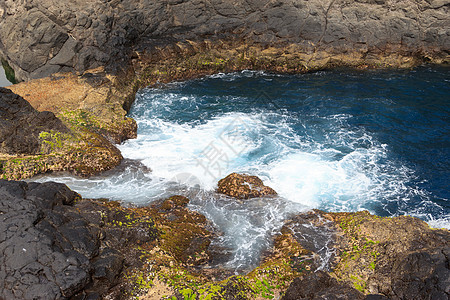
[(20, 124), (41, 37)]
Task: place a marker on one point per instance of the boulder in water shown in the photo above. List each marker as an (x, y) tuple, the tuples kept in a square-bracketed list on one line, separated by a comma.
[(244, 186)]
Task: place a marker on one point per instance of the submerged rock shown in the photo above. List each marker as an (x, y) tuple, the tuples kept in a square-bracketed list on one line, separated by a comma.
[(244, 186)]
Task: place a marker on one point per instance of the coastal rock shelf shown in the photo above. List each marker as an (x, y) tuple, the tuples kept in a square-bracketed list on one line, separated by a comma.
[(80, 64), (71, 125), (56, 245)]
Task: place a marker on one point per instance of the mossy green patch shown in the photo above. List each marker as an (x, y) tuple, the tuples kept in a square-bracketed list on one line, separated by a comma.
[(358, 260)]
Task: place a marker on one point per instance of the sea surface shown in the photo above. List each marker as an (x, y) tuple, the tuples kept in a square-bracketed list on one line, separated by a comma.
[(3, 80), (341, 140)]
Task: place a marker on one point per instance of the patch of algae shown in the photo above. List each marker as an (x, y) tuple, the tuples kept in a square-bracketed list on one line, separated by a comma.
[(358, 258), (181, 253), (174, 262), (191, 59)]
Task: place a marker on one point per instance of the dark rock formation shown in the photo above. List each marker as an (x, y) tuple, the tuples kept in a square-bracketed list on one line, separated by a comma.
[(41, 37), (21, 124), (244, 187), (46, 246), (320, 285), (56, 245)]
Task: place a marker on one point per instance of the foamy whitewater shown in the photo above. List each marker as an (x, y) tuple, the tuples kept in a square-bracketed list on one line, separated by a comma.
[(318, 139)]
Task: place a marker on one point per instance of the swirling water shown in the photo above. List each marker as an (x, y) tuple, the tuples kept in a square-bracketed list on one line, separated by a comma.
[(3, 80), (341, 140)]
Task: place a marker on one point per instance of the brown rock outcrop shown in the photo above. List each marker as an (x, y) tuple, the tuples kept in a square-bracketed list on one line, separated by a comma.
[(21, 124), (90, 118), (391, 258), (244, 186), (93, 100)]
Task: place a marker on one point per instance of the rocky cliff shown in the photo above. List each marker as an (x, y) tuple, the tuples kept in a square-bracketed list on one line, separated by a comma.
[(41, 37)]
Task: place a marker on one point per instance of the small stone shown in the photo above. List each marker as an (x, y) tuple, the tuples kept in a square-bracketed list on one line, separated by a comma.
[(244, 186)]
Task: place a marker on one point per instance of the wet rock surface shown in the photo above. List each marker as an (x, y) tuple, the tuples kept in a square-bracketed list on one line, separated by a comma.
[(384, 258), (21, 124), (56, 245), (42, 37), (243, 186)]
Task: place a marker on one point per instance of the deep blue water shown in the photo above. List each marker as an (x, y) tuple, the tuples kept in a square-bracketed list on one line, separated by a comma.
[(399, 121), (341, 140)]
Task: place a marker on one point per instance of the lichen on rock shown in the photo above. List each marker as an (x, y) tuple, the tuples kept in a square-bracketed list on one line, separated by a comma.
[(80, 119)]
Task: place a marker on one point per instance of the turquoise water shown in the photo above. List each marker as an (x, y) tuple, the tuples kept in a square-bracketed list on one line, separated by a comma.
[(340, 140)]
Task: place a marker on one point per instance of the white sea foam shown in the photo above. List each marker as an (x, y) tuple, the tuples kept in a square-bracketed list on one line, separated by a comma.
[(325, 164), (443, 222)]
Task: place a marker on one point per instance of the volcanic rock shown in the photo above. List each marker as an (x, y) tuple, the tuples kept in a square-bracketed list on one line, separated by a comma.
[(42, 37), (244, 186), (21, 124), (385, 258), (56, 245), (320, 285), (46, 245)]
